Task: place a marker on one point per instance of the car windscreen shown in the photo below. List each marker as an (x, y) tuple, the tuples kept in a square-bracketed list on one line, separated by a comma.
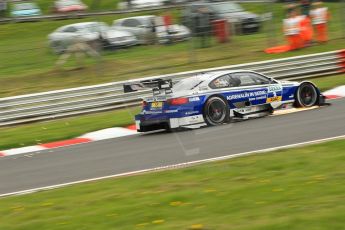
[(65, 3), (97, 27), (24, 6), (227, 7), (187, 84)]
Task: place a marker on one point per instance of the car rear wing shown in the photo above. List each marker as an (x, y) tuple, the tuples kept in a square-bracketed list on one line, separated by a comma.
[(158, 86)]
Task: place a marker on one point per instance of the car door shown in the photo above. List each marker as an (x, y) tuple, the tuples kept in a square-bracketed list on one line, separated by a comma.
[(260, 89), (69, 33), (229, 86), (247, 89), (274, 91)]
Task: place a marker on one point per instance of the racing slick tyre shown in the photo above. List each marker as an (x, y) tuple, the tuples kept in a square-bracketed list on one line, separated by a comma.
[(216, 111), (306, 95)]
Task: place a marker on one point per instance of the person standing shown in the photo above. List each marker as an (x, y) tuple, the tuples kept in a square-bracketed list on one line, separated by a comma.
[(203, 26), (3, 8), (319, 15), (167, 21), (306, 29), (305, 7), (291, 27), (151, 35)]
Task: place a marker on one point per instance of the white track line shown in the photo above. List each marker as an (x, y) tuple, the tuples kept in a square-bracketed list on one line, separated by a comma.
[(174, 166)]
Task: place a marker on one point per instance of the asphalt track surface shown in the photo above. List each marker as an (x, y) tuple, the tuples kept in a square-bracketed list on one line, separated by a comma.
[(132, 153)]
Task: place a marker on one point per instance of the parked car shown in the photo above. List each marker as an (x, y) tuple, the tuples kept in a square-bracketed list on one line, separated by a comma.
[(142, 27), (65, 6), (25, 9), (92, 33), (241, 21), (137, 4)]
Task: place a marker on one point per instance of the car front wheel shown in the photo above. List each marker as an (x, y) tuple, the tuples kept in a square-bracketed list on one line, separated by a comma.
[(306, 95)]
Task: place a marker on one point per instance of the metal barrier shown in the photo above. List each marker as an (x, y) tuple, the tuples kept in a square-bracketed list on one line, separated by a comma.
[(82, 14), (101, 13), (82, 100)]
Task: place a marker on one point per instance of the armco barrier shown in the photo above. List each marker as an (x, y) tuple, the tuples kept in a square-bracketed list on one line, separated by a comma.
[(76, 15), (82, 100)]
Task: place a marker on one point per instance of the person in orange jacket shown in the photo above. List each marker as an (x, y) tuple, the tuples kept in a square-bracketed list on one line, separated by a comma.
[(167, 22), (306, 30), (319, 15), (292, 29)]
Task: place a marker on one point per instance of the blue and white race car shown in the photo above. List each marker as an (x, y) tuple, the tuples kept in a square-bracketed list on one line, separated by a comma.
[(218, 97)]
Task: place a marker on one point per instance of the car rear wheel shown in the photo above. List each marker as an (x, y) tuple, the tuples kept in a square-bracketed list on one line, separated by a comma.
[(306, 95), (216, 111)]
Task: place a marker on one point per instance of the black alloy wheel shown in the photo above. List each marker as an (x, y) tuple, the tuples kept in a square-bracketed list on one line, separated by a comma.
[(306, 95)]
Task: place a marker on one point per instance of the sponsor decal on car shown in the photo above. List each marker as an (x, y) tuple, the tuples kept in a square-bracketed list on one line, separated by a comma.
[(246, 95), (152, 112), (191, 99), (156, 104), (171, 111), (275, 88), (192, 112), (273, 99)]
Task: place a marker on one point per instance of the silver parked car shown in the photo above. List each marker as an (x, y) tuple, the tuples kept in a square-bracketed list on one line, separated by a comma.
[(149, 27), (92, 33), (242, 21), (138, 4)]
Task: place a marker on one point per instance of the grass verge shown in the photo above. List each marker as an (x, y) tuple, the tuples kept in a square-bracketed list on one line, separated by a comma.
[(286, 189), (44, 132), (325, 83)]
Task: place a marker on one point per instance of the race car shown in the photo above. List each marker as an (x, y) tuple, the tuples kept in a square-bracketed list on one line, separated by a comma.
[(217, 98)]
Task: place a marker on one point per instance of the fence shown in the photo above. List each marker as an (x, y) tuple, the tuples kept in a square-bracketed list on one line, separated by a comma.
[(82, 100), (75, 15)]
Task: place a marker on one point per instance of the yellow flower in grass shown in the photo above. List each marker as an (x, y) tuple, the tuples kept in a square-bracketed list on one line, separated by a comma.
[(196, 227), (142, 225), (18, 208), (112, 215), (265, 181), (260, 202), (158, 221), (175, 203), (319, 177), (47, 204), (62, 223)]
